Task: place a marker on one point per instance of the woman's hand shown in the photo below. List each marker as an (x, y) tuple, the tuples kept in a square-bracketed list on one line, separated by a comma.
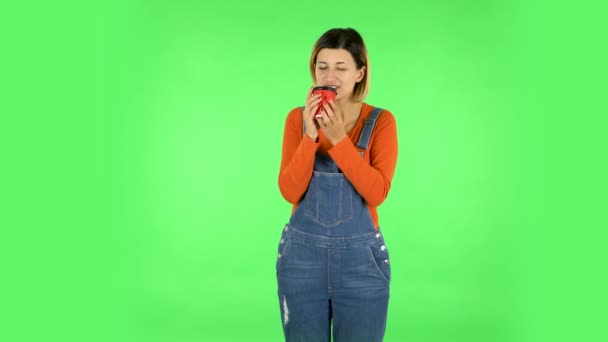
[(332, 122), (312, 103)]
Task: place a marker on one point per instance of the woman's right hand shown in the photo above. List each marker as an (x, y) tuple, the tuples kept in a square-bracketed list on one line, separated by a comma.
[(312, 103)]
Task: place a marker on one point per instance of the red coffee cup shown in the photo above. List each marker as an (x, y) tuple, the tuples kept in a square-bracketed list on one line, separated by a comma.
[(327, 94)]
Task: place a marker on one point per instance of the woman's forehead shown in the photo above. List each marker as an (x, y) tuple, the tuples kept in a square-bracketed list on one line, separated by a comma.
[(334, 56)]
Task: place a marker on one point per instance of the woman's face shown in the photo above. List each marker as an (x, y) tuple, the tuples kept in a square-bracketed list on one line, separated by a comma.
[(336, 67)]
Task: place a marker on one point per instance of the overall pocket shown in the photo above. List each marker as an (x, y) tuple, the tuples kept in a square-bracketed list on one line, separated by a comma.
[(379, 258), (329, 200)]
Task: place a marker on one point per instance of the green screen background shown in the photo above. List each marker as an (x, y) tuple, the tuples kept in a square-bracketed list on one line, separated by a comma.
[(141, 199)]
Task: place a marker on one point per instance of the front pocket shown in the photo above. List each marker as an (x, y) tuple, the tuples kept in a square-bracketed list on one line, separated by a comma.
[(378, 255), (329, 200)]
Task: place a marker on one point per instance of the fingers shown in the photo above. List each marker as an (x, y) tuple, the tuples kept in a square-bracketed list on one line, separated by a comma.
[(325, 119), (335, 113), (313, 110), (312, 104), (310, 95), (330, 113)]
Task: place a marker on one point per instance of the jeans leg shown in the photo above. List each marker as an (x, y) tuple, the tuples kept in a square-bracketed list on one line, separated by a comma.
[(360, 304), (303, 294)]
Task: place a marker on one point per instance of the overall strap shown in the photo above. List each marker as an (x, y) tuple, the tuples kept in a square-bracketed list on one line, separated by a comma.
[(370, 122)]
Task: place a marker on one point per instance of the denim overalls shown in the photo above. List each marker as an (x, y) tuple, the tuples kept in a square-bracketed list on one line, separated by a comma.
[(332, 264)]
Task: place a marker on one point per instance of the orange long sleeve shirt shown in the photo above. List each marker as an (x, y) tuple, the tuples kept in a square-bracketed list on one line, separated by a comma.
[(371, 175)]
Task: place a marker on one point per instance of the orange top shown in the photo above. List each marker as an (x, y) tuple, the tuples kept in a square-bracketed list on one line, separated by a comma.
[(371, 175)]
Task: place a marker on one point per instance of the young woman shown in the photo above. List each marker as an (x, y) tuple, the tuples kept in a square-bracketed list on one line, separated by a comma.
[(332, 263)]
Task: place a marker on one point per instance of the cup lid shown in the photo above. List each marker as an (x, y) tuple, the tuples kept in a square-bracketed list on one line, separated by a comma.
[(324, 88)]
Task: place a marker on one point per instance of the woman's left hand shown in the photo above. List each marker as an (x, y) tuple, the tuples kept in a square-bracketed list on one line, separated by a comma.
[(332, 122)]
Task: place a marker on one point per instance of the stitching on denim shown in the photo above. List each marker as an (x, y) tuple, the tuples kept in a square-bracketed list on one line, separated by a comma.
[(379, 271), (315, 214)]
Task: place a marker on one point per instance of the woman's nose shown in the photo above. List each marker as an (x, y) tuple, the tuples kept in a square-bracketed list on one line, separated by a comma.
[(330, 76)]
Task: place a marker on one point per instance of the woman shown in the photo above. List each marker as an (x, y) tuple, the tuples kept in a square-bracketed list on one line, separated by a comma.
[(336, 170)]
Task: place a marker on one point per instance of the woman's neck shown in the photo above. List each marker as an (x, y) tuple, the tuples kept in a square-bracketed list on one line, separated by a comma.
[(351, 109)]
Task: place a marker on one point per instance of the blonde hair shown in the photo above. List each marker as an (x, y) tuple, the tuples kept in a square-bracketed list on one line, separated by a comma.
[(350, 40)]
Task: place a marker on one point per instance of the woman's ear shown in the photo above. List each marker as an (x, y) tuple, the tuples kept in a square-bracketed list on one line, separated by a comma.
[(361, 74)]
